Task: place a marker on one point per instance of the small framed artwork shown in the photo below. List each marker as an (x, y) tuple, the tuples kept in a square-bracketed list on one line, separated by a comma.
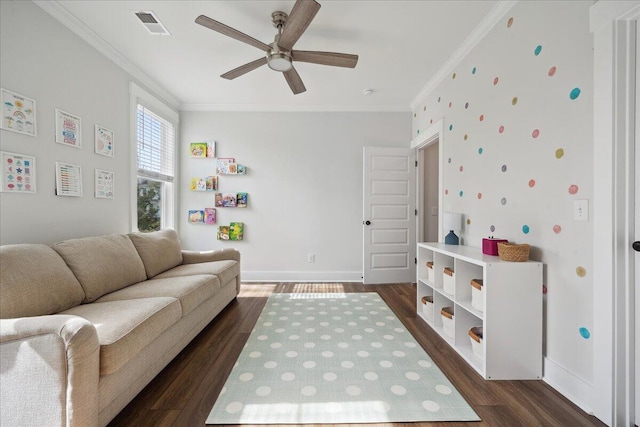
[(68, 180), (18, 113), (18, 173), (68, 129), (103, 141), (104, 184)]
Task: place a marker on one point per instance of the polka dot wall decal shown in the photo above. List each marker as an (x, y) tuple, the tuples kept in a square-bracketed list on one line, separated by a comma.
[(461, 193), (514, 101), (468, 221), (503, 201), (414, 115), (453, 76), (439, 99), (450, 104), (575, 93), (473, 70), (525, 229), (446, 192), (535, 133), (501, 129), (449, 160), (584, 333), (557, 229), (431, 121), (461, 168), (479, 196), (451, 126), (481, 118), (492, 228), (573, 189), (503, 168), (466, 105), (465, 137), (532, 183), (495, 81), (480, 150), (552, 71), (559, 153), (424, 108), (581, 271), (510, 22), (537, 50)]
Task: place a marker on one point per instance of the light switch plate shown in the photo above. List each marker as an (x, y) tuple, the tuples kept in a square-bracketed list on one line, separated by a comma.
[(581, 210)]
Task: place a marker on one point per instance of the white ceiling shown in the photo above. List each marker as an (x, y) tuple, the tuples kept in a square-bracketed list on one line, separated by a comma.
[(402, 46)]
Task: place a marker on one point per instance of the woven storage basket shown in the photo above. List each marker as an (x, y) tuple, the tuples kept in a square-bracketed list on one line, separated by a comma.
[(513, 252), (427, 307)]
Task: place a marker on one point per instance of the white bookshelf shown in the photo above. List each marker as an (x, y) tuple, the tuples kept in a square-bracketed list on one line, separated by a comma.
[(512, 313)]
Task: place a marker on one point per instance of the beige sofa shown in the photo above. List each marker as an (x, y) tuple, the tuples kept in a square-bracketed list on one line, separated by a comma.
[(85, 324)]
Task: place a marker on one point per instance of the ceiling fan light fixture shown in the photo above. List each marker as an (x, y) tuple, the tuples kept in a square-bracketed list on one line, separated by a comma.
[(279, 61)]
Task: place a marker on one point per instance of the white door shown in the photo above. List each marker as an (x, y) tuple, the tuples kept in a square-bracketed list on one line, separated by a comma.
[(389, 217)]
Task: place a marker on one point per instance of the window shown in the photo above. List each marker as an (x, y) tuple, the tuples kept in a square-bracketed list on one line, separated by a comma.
[(156, 165)]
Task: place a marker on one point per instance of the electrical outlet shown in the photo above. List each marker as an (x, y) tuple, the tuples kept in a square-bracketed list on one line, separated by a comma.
[(581, 210), (311, 258)]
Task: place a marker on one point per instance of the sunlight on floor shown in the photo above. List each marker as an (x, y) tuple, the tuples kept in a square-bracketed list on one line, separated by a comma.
[(318, 287)]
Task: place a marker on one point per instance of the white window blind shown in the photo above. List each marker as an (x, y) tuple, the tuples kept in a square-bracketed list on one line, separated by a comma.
[(156, 142)]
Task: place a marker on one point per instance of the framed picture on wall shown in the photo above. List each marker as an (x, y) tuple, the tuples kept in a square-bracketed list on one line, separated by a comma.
[(104, 184), (18, 113), (68, 129), (103, 141), (18, 173), (68, 180)]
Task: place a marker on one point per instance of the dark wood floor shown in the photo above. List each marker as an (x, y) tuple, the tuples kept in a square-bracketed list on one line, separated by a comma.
[(183, 394)]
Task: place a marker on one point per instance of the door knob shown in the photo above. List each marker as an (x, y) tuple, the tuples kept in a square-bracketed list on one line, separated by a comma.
[(367, 222), (636, 246)]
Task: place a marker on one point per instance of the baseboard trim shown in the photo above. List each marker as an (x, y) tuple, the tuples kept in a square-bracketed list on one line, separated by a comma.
[(569, 385), (302, 276)]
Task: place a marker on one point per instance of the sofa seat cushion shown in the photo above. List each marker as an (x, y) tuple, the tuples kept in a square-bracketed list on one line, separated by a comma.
[(159, 250), (126, 327), (225, 270), (102, 264), (190, 290), (35, 281)]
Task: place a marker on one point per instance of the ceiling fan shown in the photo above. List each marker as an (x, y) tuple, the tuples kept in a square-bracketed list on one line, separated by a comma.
[(280, 54)]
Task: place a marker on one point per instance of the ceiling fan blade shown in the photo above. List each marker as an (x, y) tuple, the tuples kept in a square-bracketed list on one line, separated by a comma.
[(294, 80), (325, 58), (299, 19), (244, 69), (231, 32)]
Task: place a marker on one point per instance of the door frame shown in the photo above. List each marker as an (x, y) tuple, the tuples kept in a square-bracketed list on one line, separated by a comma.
[(433, 134), (613, 24)]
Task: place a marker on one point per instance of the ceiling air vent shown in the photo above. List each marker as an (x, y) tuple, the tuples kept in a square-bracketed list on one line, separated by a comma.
[(152, 24)]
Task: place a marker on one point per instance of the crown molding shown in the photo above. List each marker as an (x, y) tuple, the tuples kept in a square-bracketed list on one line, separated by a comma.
[(60, 13), (296, 108), (489, 21)]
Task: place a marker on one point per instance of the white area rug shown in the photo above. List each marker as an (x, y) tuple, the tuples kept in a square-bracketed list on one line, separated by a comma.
[(334, 358)]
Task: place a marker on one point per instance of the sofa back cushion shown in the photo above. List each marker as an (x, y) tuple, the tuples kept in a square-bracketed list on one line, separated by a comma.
[(102, 264), (159, 250), (35, 281)]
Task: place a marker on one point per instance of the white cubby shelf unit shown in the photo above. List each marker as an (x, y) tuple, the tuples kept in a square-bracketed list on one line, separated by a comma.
[(512, 310)]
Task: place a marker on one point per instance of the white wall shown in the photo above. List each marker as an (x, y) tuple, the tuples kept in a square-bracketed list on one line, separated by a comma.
[(45, 61), (304, 181), (514, 184)]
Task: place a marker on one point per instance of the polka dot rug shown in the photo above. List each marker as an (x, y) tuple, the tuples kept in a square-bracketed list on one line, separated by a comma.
[(334, 358)]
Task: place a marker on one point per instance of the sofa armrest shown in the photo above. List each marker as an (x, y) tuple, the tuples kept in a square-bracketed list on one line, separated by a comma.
[(49, 371), (194, 257)]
